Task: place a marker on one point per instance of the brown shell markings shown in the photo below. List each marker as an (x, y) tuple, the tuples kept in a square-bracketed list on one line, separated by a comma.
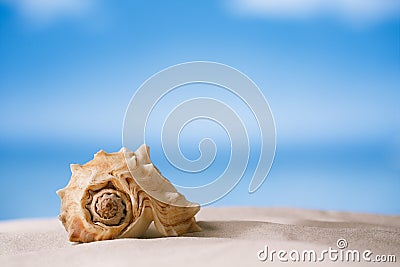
[(105, 199)]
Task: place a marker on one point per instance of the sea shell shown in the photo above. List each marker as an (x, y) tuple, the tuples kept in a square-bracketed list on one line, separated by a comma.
[(106, 199)]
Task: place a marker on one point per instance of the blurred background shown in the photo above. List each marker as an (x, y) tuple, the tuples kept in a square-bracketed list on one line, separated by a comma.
[(330, 71)]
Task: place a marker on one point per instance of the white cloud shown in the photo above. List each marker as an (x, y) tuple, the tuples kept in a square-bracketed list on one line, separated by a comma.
[(44, 11), (358, 11)]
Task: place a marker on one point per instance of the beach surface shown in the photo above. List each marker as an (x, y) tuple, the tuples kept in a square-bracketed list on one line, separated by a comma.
[(234, 236)]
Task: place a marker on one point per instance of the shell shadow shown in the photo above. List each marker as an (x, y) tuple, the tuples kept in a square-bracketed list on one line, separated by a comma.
[(217, 229)]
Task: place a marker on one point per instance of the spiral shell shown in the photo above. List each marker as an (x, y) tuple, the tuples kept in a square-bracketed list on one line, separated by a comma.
[(104, 201)]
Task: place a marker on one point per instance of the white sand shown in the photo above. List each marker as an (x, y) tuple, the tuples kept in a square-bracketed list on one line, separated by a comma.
[(230, 237)]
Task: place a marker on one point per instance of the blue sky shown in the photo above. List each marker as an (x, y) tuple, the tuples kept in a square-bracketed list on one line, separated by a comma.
[(330, 72)]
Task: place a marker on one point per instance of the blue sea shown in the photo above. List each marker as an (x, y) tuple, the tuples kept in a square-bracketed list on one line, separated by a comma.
[(356, 177)]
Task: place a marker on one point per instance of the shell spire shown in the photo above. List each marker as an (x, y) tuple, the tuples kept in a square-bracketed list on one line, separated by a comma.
[(118, 195)]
